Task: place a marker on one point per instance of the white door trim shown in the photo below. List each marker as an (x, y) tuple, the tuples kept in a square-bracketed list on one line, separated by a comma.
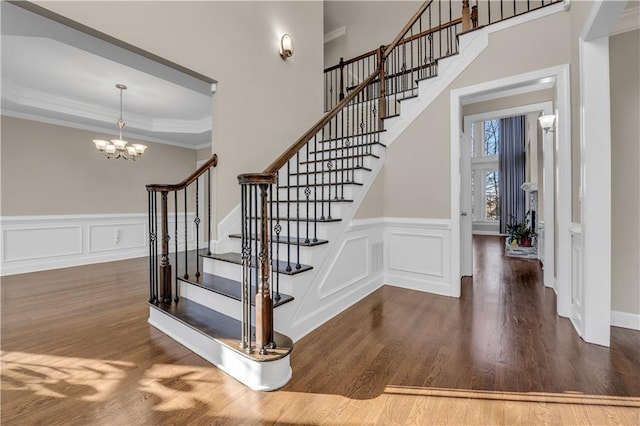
[(562, 86)]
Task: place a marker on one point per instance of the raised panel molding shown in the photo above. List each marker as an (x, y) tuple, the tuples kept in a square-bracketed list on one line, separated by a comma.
[(349, 266), (418, 254), (37, 243)]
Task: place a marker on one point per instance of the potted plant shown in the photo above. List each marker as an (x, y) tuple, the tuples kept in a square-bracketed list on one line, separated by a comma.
[(521, 233)]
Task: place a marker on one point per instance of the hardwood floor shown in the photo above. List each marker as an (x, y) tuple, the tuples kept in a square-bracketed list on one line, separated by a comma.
[(77, 350)]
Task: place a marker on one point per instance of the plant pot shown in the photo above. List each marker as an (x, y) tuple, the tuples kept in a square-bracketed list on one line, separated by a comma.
[(525, 242)]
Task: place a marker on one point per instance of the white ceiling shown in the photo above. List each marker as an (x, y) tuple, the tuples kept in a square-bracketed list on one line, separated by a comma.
[(56, 74)]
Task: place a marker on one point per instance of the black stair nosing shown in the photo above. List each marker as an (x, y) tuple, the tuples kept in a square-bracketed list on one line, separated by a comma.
[(321, 184), (304, 219), (284, 239), (391, 116), (281, 266), (222, 328), (315, 172), (349, 147), (373, 132), (230, 288), (348, 157)]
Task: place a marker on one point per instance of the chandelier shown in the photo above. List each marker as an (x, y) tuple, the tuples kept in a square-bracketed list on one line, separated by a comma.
[(117, 148)]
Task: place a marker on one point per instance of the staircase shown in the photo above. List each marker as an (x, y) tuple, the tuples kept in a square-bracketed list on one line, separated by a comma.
[(270, 270)]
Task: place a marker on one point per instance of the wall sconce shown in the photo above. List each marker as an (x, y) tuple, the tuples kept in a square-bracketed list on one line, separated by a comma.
[(546, 122), (286, 47)]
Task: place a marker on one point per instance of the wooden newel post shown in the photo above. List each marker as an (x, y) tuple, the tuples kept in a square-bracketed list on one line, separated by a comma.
[(341, 97), (165, 264), (264, 307), (466, 16), (382, 101)]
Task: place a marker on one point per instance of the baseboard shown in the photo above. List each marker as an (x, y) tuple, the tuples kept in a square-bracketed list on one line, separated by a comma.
[(38, 243), (625, 320)]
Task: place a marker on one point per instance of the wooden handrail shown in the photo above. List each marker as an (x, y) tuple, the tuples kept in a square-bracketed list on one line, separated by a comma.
[(289, 153), (402, 41), (406, 28), (156, 187)]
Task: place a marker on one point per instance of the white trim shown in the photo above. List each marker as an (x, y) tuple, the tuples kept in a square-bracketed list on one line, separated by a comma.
[(625, 320), (595, 188), (496, 234), (629, 21), (75, 125), (604, 16), (37, 243), (334, 34), (561, 75)]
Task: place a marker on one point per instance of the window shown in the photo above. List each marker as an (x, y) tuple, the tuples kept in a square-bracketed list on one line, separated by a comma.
[(485, 174)]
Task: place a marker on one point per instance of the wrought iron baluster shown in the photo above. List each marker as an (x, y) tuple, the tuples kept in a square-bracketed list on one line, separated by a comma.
[(209, 211), (196, 220), (297, 210), (288, 216), (175, 242), (186, 239)]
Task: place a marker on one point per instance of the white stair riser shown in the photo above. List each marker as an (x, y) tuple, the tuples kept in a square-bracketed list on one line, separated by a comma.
[(263, 376), (217, 302), (300, 209), (318, 192), (307, 254), (233, 271), (357, 176)]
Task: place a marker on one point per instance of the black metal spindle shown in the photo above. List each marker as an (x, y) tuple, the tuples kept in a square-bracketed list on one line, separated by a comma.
[(297, 210), (152, 259), (209, 211), (175, 242), (289, 216), (196, 220), (186, 239)]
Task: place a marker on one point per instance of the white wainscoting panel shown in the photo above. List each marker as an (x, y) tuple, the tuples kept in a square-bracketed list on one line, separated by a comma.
[(577, 283), (117, 236), (37, 243), (26, 243), (350, 266), (417, 254)]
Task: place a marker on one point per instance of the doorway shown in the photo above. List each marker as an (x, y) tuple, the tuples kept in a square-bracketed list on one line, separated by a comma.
[(479, 172)]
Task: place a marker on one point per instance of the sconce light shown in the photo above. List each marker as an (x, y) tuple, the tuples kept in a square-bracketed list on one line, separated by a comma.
[(286, 47), (546, 122)]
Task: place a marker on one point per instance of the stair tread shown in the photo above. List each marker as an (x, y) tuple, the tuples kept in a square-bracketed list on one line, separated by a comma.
[(350, 147), (332, 171), (340, 158), (293, 240), (320, 184), (222, 328), (230, 288), (280, 266), (307, 219), (358, 135)]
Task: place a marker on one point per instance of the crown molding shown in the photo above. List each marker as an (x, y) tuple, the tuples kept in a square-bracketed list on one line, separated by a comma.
[(39, 100), (83, 126), (629, 20)]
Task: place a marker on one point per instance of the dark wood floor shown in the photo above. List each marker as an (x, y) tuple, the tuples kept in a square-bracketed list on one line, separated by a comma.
[(76, 349)]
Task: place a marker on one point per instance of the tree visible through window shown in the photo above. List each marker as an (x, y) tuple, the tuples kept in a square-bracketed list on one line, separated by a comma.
[(491, 137), (485, 175)]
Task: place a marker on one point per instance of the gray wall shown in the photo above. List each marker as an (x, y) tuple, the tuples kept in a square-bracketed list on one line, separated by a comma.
[(48, 169)]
